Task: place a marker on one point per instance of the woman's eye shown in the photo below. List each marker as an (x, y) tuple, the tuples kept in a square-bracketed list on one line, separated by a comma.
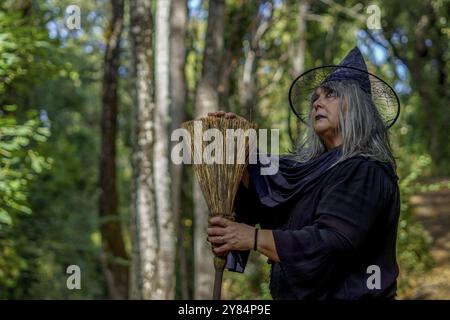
[(331, 94)]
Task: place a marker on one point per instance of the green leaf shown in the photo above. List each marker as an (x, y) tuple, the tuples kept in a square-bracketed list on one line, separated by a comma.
[(5, 218)]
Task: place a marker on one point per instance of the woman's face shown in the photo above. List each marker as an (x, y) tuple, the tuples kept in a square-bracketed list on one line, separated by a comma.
[(325, 113)]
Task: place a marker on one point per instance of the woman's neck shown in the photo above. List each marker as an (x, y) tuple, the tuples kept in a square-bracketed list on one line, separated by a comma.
[(333, 142)]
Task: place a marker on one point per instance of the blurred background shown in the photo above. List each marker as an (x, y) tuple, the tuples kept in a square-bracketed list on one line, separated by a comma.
[(90, 92)]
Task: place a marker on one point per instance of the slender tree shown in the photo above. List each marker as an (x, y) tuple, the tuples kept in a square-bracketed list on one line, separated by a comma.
[(178, 94), (239, 18), (114, 255), (153, 266), (207, 99), (165, 221), (297, 54), (248, 81), (144, 269)]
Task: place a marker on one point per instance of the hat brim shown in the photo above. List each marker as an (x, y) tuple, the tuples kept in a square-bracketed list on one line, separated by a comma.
[(382, 94)]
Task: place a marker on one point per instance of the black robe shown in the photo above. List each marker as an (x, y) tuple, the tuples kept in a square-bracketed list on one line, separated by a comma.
[(331, 222)]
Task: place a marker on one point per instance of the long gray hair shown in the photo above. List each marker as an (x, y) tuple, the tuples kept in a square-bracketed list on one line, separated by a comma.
[(360, 124)]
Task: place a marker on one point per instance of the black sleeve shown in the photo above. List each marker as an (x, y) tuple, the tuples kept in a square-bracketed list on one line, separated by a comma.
[(249, 210), (243, 203), (344, 216)]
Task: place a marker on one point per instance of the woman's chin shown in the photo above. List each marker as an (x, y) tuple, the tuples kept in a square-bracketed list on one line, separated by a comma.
[(321, 128)]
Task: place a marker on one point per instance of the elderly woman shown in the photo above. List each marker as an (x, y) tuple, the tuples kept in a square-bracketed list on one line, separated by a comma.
[(329, 216)]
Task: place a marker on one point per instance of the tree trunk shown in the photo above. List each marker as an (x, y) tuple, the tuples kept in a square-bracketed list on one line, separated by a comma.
[(114, 255), (236, 21), (179, 18), (247, 86), (144, 272), (297, 58), (166, 231), (299, 48), (248, 83), (207, 100)]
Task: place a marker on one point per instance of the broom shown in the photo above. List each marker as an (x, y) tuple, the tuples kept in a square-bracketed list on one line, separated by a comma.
[(219, 182)]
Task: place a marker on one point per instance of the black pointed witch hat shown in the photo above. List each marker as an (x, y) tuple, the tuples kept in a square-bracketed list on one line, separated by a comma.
[(351, 69)]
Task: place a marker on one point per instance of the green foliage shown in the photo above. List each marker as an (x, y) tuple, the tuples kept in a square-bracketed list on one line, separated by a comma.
[(20, 163), (253, 284), (413, 242), (61, 228), (25, 52)]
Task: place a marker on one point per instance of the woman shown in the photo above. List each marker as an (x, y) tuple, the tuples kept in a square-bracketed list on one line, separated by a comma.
[(329, 216)]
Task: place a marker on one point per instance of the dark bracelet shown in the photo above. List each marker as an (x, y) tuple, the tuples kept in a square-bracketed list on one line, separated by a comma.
[(255, 245)]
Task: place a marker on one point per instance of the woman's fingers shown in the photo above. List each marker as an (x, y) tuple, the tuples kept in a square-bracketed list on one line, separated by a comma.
[(228, 115), (234, 236), (219, 221), (215, 231), (219, 246), (223, 249), (216, 113), (218, 240)]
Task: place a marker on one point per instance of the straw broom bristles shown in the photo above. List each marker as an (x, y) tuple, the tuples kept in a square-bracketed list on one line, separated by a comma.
[(219, 182)]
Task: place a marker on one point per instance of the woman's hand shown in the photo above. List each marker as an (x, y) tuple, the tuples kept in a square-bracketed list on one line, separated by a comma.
[(227, 235), (229, 115)]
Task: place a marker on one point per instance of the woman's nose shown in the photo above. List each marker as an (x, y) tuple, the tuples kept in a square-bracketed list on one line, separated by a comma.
[(317, 104)]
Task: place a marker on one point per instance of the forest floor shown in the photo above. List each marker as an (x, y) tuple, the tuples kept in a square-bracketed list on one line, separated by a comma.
[(432, 209)]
